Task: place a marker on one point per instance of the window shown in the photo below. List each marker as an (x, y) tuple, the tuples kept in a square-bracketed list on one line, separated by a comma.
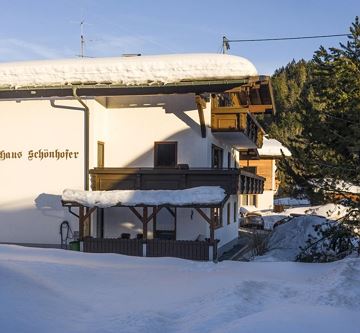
[(165, 154), (100, 154), (228, 213), (235, 212), (250, 169), (216, 157), (215, 215), (249, 200)]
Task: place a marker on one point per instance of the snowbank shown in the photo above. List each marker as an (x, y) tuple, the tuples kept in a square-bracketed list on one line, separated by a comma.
[(143, 70), (330, 211), (286, 239), (196, 195), (45, 290)]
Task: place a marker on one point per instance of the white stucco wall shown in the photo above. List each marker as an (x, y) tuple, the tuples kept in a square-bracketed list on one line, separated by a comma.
[(30, 207), (134, 124), (143, 120), (265, 200)]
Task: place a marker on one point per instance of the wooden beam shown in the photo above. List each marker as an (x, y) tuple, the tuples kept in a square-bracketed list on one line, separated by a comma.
[(205, 217), (201, 104), (171, 211), (153, 215), (260, 108), (137, 214), (89, 212), (145, 222), (81, 222)]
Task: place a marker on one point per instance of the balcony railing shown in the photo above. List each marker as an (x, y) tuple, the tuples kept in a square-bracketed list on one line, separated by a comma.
[(233, 111), (233, 181)]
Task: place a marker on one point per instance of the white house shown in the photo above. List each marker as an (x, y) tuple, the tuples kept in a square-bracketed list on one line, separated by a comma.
[(131, 125)]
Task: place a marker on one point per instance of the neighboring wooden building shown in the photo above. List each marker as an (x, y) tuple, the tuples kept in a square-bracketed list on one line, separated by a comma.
[(150, 123), (264, 165)]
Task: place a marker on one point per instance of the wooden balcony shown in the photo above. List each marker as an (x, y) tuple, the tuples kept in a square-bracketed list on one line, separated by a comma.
[(233, 181), (236, 126), (232, 113)]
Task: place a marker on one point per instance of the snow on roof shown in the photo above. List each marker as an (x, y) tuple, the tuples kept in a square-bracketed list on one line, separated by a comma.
[(206, 195), (272, 147), (141, 70)]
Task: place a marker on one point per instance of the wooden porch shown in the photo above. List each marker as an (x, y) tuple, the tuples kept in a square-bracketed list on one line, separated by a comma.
[(142, 246), (232, 181)]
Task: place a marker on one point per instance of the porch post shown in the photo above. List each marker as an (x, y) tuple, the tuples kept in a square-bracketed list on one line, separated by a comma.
[(81, 222), (154, 221), (144, 222), (145, 230)]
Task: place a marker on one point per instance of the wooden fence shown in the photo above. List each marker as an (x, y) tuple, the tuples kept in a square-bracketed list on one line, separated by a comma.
[(193, 250), (130, 247)]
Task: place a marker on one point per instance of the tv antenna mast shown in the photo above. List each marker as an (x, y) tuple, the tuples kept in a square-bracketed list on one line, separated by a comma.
[(82, 39)]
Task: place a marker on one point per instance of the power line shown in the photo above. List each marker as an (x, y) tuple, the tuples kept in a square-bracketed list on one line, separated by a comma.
[(284, 38), (226, 41)]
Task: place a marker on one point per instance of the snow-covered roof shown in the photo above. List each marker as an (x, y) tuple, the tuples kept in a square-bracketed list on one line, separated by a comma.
[(142, 70), (203, 195), (272, 147)]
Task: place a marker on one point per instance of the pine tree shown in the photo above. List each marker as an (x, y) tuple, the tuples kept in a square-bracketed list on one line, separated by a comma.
[(324, 134)]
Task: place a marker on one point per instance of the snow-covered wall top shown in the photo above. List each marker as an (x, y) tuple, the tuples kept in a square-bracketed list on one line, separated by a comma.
[(272, 147), (197, 195), (140, 70)]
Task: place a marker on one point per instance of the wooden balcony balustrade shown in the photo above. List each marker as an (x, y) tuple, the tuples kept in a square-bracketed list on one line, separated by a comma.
[(233, 181), (232, 111)]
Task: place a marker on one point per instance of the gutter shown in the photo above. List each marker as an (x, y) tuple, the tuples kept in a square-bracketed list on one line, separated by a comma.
[(86, 138)]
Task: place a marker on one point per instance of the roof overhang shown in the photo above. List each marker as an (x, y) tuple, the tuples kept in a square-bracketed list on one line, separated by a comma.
[(88, 90)]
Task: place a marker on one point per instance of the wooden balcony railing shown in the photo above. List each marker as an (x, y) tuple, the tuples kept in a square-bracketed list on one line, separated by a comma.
[(232, 110), (232, 181)]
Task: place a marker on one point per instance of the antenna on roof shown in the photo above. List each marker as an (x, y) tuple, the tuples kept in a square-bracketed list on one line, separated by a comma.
[(82, 39), (225, 45)]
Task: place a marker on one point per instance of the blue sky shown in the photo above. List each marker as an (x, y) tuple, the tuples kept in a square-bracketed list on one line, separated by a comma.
[(44, 29)]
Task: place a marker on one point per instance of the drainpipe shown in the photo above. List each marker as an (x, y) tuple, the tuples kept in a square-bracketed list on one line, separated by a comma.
[(86, 138)]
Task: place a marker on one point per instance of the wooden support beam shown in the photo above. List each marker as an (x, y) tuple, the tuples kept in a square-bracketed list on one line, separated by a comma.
[(201, 105), (205, 217), (145, 222), (153, 215), (81, 222), (137, 214), (171, 212)]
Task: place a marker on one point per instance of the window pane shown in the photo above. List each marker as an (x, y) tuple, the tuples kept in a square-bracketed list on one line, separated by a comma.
[(165, 154)]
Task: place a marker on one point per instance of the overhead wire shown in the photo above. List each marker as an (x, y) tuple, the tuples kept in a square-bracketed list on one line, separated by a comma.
[(283, 38)]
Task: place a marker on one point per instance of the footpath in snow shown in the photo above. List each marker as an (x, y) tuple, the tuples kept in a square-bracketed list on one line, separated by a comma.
[(47, 290)]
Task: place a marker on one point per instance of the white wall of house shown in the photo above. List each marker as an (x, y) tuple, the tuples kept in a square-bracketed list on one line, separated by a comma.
[(30, 207), (143, 120), (265, 200), (135, 123)]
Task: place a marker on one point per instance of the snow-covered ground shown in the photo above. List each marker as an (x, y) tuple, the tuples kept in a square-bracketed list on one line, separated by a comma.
[(47, 290)]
